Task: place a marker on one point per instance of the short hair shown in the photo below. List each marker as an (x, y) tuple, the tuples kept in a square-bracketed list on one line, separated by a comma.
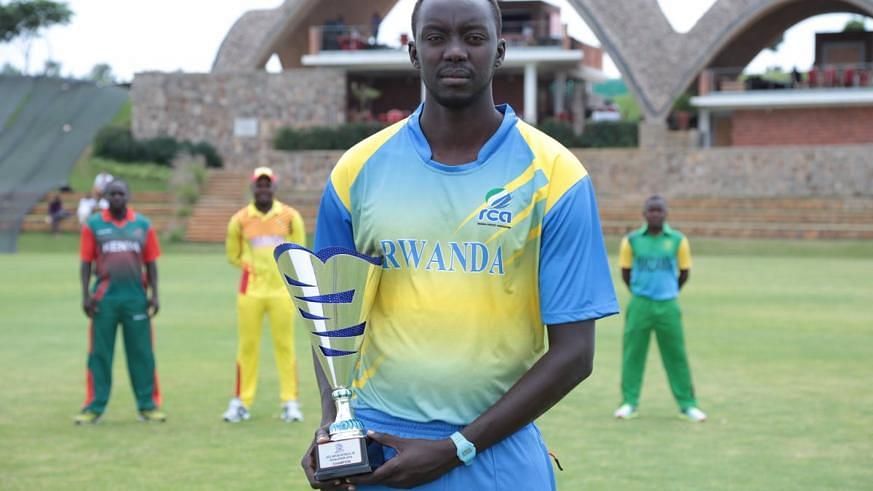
[(655, 198), (118, 181), (498, 18)]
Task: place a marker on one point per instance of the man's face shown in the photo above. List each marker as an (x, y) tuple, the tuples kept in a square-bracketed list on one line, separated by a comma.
[(655, 213), (457, 49), (116, 195), (262, 189)]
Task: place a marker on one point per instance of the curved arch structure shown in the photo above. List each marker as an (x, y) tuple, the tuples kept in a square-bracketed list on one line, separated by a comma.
[(658, 63), (283, 30)]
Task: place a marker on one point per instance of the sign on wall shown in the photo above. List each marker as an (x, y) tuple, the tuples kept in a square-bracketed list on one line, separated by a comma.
[(245, 127)]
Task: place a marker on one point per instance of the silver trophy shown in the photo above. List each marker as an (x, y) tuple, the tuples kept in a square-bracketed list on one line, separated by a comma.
[(333, 290)]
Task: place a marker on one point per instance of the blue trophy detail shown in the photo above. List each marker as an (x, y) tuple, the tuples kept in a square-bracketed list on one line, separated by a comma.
[(333, 290)]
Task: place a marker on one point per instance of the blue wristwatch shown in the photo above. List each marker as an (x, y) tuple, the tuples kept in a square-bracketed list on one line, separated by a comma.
[(466, 450)]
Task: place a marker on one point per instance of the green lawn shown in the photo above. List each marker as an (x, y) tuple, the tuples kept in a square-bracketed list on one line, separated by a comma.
[(780, 336)]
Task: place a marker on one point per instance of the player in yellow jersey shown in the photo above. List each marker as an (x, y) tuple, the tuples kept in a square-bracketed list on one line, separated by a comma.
[(252, 234)]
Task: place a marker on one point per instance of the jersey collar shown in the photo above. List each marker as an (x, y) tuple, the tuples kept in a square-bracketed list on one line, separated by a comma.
[(665, 229), (254, 211), (107, 217), (422, 146)]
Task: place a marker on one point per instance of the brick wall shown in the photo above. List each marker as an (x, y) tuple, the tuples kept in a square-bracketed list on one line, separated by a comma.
[(205, 106), (813, 126)]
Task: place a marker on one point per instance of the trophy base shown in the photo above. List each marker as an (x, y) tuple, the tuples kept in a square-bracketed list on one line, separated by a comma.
[(347, 458)]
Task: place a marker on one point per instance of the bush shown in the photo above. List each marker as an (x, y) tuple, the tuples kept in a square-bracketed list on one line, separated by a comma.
[(117, 143), (324, 137), (602, 134)]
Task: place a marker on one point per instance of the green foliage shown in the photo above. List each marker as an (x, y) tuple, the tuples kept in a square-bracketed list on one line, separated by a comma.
[(102, 74), (781, 366), (630, 109), (602, 134), (141, 176), (123, 117), (857, 23), (340, 137), (683, 103), (28, 17), (118, 143)]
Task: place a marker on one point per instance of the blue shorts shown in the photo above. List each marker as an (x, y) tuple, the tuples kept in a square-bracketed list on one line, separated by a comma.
[(520, 462)]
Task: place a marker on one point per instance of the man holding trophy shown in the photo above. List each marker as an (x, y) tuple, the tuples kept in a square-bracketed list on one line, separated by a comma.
[(486, 231)]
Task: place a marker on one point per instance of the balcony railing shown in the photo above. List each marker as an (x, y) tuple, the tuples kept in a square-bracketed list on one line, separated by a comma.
[(818, 77), (341, 37)]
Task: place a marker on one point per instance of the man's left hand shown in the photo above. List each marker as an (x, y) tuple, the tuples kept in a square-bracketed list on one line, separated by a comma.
[(417, 461), (154, 306)]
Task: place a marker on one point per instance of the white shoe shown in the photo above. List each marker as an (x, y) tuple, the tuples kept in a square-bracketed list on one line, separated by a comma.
[(291, 412), (694, 415), (626, 411), (236, 412)]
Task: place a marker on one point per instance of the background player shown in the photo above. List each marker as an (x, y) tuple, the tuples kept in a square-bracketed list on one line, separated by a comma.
[(489, 229), (252, 234), (124, 247), (655, 262)]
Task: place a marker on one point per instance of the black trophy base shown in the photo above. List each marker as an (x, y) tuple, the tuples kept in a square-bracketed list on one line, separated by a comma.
[(346, 458)]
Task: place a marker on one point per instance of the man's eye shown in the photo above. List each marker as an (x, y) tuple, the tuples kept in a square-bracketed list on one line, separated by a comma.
[(434, 37)]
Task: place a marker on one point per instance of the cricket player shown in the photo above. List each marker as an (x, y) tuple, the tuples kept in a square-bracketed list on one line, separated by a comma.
[(491, 241), (122, 247), (252, 234), (655, 262)]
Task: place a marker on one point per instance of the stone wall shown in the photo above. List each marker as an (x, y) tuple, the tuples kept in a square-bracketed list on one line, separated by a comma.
[(769, 172), (772, 172), (208, 107)]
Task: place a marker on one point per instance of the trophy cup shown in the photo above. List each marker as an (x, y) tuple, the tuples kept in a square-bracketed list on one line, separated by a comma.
[(333, 290)]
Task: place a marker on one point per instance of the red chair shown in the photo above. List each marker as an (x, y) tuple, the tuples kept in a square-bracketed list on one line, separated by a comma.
[(830, 76), (812, 77), (849, 77)]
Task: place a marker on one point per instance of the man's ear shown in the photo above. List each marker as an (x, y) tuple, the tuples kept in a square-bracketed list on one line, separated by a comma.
[(501, 53), (413, 55)]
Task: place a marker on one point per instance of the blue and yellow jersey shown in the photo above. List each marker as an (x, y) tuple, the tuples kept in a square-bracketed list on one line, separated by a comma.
[(477, 259), (655, 261)]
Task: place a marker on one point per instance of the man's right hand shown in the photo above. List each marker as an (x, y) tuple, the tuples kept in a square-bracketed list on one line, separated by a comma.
[(309, 460), (89, 305)]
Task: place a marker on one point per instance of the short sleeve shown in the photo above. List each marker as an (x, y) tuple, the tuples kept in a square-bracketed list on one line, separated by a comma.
[(683, 256), (575, 281), (625, 254), (87, 245), (152, 247), (333, 227)]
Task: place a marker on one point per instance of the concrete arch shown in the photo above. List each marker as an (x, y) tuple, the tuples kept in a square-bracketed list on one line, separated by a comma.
[(658, 63), (258, 34)]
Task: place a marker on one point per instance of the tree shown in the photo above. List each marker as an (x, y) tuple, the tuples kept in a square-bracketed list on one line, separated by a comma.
[(25, 19), (856, 24), (8, 69), (52, 69), (102, 74)]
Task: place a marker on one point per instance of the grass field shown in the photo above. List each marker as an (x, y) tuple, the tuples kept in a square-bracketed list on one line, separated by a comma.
[(780, 337)]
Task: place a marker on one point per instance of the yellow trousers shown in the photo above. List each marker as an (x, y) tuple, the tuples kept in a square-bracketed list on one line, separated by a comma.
[(250, 315)]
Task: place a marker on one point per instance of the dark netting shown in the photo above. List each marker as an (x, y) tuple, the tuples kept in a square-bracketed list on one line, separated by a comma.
[(45, 125)]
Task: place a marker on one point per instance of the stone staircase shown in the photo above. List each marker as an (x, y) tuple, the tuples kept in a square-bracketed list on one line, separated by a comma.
[(226, 192), (156, 205), (772, 218)]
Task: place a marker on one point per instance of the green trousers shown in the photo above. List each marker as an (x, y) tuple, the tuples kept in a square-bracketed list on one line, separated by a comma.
[(664, 317), (132, 314)]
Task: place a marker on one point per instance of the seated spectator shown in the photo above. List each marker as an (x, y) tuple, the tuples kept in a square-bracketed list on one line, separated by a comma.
[(101, 180), (89, 204), (57, 213)]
